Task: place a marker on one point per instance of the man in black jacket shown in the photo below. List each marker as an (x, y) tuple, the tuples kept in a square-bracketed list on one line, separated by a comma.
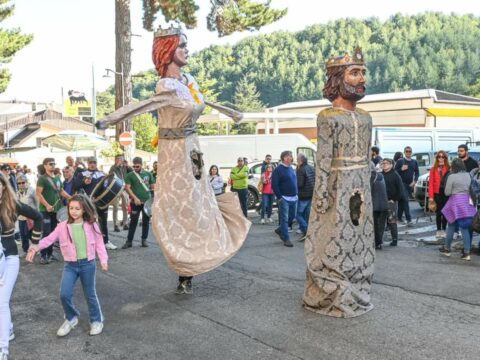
[(470, 163), (305, 183)]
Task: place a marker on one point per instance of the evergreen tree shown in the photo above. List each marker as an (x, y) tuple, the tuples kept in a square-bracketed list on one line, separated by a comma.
[(247, 98), (11, 41)]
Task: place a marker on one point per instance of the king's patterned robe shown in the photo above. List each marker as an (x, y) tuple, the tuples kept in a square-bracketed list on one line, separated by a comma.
[(339, 247)]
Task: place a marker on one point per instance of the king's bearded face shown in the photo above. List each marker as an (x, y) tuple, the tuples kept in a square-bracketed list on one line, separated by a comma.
[(353, 85)]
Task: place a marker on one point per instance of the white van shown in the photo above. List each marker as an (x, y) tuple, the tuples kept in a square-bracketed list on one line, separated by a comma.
[(421, 140), (223, 151)]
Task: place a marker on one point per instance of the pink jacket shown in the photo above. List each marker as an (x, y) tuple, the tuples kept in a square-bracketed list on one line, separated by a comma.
[(63, 233)]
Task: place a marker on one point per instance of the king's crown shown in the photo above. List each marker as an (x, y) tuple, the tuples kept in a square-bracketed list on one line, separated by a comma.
[(347, 60), (172, 30)]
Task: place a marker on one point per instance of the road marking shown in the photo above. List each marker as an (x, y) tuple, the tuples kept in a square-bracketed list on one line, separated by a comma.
[(419, 230)]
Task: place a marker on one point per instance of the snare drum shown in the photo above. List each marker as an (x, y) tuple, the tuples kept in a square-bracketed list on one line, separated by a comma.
[(147, 207), (107, 190)]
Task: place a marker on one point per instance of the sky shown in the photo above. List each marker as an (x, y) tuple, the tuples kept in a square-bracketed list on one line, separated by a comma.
[(72, 36)]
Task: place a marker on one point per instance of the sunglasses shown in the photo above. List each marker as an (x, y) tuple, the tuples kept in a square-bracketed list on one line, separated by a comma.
[(440, 157), (51, 164), (408, 151), (21, 183), (137, 166)]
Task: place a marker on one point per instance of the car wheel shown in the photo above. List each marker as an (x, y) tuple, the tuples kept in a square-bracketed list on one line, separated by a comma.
[(252, 199)]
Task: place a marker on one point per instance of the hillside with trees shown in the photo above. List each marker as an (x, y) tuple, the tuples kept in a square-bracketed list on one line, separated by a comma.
[(430, 50)]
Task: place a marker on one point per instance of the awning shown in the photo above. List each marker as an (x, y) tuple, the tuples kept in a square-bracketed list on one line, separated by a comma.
[(446, 112)]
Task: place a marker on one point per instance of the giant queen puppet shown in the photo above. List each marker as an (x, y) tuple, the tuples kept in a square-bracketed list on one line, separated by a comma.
[(196, 230), (339, 247)]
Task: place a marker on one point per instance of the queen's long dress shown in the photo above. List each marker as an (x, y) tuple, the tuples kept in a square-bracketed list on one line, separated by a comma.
[(196, 230), (339, 253)]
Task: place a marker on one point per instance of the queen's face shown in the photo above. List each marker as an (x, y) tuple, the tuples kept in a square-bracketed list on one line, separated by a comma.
[(181, 54)]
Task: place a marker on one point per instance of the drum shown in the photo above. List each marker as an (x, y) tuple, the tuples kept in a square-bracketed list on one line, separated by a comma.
[(107, 190), (147, 207), (62, 214)]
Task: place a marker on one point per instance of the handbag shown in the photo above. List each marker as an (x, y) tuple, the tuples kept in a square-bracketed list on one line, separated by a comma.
[(474, 190), (260, 185), (432, 205)]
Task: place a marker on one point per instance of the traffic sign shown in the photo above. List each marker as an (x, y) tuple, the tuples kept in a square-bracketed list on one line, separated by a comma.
[(125, 138)]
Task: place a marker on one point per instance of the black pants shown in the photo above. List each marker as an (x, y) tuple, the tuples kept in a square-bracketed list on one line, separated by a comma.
[(102, 219), (183, 278), (379, 221), (440, 200), (403, 204), (134, 216), (49, 224), (242, 196)]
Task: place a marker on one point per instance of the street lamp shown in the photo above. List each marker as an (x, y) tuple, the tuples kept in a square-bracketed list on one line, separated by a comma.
[(123, 81)]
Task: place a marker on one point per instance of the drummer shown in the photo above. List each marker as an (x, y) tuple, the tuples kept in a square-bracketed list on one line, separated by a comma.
[(138, 185), (49, 192), (86, 180)]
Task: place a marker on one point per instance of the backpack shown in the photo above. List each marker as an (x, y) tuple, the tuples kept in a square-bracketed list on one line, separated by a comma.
[(474, 189)]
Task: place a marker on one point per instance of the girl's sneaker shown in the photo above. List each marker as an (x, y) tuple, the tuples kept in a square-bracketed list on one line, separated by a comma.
[(67, 326), (96, 328), (262, 221), (270, 220), (466, 256)]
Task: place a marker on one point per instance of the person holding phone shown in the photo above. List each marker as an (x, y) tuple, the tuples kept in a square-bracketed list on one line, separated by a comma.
[(408, 170)]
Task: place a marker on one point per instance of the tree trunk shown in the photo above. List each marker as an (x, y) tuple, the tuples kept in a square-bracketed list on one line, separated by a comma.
[(123, 62)]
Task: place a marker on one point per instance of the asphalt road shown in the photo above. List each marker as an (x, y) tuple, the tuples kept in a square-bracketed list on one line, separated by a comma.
[(426, 307)]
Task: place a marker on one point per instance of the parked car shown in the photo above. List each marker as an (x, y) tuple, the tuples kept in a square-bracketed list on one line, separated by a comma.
[(425, 160)]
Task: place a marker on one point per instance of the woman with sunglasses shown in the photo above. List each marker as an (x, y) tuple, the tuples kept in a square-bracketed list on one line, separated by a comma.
[(436, 191), (25, 195)]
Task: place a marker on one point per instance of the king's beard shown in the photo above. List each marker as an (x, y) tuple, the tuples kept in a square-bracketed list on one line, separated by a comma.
[(352, 93)]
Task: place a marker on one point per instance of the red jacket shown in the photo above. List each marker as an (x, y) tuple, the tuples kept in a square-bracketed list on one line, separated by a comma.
[(434, 181)]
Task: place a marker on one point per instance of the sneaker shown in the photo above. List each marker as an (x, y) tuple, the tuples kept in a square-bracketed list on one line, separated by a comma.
[(96, 328), (302, 238), (466, 256), (3, 355), (127, 245), (262, 221), (144, 243), (67, 326), (279, 233), (298, 231), (445, 252), (270, 220), (287, 243), (181, 287), (116, 229), (125, 227), (378, 247), (110, 246), (188, 287), (438, 234), (457, 236), (290, 229), (409, 223), (393, 243)]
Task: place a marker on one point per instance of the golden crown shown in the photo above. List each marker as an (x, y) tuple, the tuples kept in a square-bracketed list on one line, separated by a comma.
[(347, 60), (172, 30)]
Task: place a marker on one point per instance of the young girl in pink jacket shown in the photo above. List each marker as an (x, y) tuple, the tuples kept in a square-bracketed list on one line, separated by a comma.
[(80, 238)]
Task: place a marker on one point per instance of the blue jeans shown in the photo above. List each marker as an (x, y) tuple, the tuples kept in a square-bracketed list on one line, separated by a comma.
[(85, 270), (465, 225), (267, 203), (286, 213), (303, 213), (25, 234)]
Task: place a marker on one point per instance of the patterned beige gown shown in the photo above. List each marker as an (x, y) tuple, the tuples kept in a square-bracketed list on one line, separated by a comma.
[(196, 230), (339, 253)]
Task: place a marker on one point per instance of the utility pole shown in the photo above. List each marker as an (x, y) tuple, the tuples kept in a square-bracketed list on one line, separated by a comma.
[(123, 63)]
